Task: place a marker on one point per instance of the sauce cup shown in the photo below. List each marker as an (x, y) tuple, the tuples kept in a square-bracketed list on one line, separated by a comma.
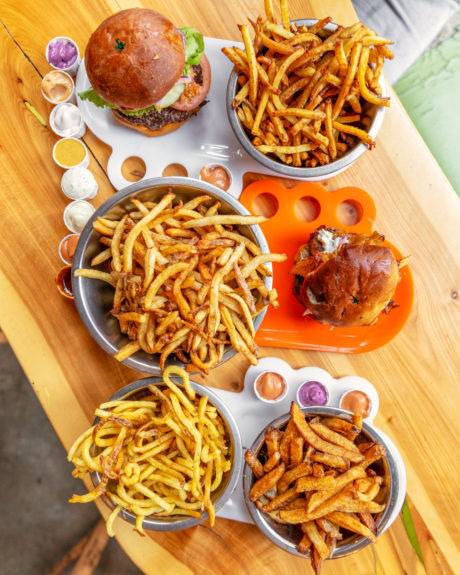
[(73, 68), (71, 95), (260, 378), (83, 163)]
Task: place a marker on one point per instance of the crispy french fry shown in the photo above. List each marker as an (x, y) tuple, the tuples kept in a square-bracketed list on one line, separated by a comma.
[(349, 522), (267, 482), (293, 475), (310, 436), (318, 542)]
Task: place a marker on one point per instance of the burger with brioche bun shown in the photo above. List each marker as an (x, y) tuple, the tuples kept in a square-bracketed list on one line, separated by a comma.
[(152, 75), (345, 279)]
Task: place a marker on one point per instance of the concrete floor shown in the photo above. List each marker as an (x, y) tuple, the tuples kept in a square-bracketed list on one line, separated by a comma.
[(38, 525)]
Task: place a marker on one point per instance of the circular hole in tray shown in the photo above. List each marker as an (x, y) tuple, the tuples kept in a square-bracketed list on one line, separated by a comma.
[(175, 170), (349, 212), (307, 209), (266, 205), (133, 169)]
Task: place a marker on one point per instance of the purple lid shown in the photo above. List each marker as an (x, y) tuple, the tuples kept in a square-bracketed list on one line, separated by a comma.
[(312, 393)]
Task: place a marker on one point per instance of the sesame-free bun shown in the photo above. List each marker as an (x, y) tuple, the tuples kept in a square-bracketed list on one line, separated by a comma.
[(349, 285), (134, 58)]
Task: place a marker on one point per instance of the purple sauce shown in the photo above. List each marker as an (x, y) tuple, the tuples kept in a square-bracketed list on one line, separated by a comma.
[(312, 393), (62, 53)]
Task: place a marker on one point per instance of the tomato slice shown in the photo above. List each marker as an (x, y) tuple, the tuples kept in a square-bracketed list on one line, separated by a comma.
[(195, 93)]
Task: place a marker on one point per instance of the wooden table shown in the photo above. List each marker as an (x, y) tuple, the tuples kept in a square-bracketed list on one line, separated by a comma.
[(416, 374)]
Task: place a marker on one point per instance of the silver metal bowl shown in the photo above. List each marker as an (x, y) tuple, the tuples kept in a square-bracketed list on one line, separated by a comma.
[(94, 298), (137, 390), (312, 174), (392, 468)]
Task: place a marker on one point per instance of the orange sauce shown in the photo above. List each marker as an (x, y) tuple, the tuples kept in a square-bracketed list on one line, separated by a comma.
[(356, 401), (270, 385), (216, 175)]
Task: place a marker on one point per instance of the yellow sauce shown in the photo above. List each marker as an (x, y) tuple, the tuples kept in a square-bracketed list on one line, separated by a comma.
[(69, 153), (57, 86)]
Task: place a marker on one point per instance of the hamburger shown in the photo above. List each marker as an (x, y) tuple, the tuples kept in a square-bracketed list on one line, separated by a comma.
[(152, 75), (345, 279)]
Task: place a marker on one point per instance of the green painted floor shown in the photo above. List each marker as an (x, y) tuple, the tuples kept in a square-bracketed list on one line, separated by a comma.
[(430, 92)]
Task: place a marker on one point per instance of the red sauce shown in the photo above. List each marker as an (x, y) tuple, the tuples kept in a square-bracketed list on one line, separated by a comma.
[(216, 175)]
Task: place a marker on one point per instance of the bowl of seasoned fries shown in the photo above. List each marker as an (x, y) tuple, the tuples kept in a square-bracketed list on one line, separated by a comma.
[(321, 483), (164, 453), (306, 98), (173, 271)]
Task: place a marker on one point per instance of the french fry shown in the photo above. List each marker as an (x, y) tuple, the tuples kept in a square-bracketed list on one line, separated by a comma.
[(281, 500), (330, 460), (272, 461), (325, 483), (349, 522), (310, 436), (252, 63), (293, 475), (327, 434), (267, 482), (296, 451), (318, 542)]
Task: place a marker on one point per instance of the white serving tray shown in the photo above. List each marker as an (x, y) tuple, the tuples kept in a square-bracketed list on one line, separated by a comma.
[(252, 415), (207, 138)]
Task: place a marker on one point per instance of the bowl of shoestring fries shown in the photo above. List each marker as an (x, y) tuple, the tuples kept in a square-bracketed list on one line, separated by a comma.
[(173, 271), (164, 453), (306, 98), (321, 483)]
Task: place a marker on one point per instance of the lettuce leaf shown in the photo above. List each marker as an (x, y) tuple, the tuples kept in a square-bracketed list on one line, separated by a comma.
[(194, 47), (92, 96)]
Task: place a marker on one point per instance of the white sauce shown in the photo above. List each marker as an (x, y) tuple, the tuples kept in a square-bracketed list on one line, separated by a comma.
[(66, 120), (79, 184), (77, 214)]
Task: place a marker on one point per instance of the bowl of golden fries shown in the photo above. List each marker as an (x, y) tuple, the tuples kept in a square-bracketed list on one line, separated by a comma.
[(164, 453), (321, 483), (306, 98), (173, 271)]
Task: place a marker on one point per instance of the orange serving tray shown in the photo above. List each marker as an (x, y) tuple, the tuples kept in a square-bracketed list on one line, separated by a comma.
[(286, 326)]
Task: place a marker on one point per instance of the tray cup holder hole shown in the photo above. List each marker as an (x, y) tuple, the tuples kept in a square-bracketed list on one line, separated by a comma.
[(307, 209), (133, 169), (265, 205), (175, 170), (349, 212)]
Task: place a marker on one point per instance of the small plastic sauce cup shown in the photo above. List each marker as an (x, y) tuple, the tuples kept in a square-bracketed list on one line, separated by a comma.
[(67, 247), (70, 153), (63, 281), (73, 68), (270, 380), (66, 81)]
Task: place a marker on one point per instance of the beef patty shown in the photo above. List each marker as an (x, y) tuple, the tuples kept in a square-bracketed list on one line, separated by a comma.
[(156, 119)]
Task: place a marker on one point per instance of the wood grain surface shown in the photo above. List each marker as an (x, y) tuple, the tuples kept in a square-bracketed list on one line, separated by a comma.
[(416, 374)]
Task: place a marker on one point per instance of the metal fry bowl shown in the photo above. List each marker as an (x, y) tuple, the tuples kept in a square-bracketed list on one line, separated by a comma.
[(139, 389), (94, 298), (392, 469), (311, 174)]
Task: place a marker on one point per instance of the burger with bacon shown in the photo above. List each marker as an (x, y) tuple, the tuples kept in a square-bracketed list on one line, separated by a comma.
[(152, 75)]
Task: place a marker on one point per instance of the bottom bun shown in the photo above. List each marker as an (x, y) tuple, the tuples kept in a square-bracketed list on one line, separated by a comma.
[(166, 129)]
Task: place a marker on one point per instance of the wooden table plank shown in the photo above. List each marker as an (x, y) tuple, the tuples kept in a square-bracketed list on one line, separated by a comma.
[(415, 374)]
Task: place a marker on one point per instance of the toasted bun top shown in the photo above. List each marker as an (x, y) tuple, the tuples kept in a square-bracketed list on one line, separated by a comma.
[(134, 58), (351, 286)]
